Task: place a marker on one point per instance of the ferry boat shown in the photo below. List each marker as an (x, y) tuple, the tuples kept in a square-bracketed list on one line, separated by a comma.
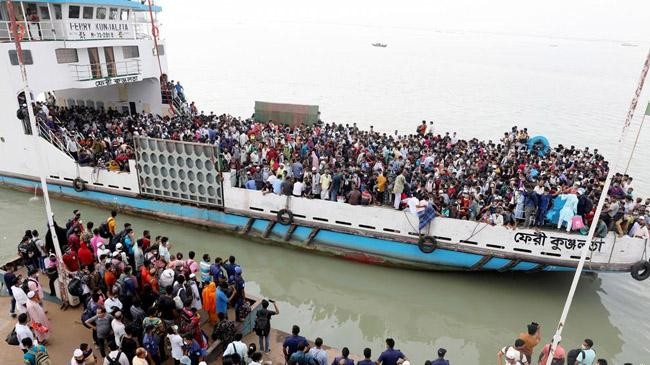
[(108, 54)]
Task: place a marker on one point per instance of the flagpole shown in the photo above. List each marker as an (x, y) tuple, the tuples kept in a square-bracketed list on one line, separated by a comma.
[(599, 208), (36, 140)]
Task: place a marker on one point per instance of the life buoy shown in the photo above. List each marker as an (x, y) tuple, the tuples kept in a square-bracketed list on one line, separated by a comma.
[(285, 216), (78, 185), (155, 32), (641, 270), (427, 244)]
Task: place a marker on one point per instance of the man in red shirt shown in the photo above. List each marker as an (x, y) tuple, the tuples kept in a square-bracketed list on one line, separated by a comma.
[(85, 255), (73, 239), (70, 260)]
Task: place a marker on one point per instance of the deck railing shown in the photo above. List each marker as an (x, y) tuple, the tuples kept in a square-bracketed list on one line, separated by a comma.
[(96, 71), (57, 30)]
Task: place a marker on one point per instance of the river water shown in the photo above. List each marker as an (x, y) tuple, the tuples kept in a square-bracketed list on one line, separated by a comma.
[(356, 305)]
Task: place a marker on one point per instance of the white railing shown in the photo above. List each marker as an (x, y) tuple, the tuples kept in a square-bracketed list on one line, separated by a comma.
[(47, 133), (107, 69), (82, 29)]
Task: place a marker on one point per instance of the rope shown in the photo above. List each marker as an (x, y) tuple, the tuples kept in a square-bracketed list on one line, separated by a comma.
[(155, 32)]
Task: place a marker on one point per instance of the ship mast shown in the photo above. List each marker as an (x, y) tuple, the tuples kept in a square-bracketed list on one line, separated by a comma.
[(601, 201), (36, 140)]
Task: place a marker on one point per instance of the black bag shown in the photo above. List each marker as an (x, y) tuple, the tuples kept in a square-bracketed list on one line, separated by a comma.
[(75, 287), (12, 338), (572, 356), (261, 324), (103, 230), (116, 360)]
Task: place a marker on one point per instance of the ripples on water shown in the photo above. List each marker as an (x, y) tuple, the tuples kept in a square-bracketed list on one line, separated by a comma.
[(354, 305)]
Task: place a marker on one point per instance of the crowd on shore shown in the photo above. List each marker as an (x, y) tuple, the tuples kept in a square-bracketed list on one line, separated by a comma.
[(144, 304), (509, 182)]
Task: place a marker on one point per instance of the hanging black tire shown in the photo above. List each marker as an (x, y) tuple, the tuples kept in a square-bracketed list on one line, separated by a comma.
[(78, 185), (285, 217), (641, 270), (427, 244)]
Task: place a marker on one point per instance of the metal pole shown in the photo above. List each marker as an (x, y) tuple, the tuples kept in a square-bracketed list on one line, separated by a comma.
[(599, 208), (36, 141), (636, 140)]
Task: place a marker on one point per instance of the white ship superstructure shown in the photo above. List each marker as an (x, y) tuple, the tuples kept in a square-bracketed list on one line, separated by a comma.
[(99, 54)]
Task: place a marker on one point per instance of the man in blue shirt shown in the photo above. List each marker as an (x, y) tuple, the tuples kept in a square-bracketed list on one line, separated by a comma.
[(441, 358), (367, 354), (29, 358), (390, 356), (250, 183), (216, 271), (290, 344), (343, 359), (587, 356), (222, 299)]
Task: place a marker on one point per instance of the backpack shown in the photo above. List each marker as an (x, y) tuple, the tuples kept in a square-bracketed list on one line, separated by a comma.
[(75, 287), (572, 356), (116, 360), (103, 230), (25, 285), (261, 324), (41, 357), (178, 301)]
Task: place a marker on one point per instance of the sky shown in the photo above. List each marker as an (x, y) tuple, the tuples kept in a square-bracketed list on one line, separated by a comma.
[(625, 21)]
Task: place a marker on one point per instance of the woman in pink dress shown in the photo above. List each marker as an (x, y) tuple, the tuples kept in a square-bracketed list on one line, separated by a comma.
[(39, 322)]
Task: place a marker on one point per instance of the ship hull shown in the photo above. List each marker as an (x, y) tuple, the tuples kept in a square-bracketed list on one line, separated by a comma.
[(348, 245)]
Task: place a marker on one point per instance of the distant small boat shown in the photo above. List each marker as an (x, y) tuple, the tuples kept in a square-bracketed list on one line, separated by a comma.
[(626, 44), (382, 45)]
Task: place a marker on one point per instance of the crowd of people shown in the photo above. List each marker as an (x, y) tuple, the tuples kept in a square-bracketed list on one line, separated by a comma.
[(139, 298), (508, 182), (144, 305)]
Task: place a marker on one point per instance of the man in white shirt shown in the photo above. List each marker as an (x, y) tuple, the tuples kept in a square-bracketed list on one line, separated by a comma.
[(118, 328), (298, 188), (112, 302), (176, 342), (23, 331), (116, 354), (639, 229), (511, 355), (237, 347)]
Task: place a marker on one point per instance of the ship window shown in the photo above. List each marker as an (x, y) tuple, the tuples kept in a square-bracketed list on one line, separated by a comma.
[(57, 11), (66, 55), (44, 12), (99, 105), (90, 104), (27, 57), (71, 102), (88, 12), (131, 51), (101, 13), (81, 103), (112, 15), (73, 12), (124, 14)]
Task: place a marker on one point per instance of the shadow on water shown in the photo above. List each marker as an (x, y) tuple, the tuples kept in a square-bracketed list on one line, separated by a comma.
[(357, 305)]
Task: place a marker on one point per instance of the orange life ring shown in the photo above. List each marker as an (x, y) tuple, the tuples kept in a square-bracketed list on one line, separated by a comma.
[(20, 31), (154, 31)]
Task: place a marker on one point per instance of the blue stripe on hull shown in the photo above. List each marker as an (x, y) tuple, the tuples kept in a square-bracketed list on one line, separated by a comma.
[(397, 250), (260, 225), (524, 266), (301, 233), (280, 229), (496, 263), (379, 247)]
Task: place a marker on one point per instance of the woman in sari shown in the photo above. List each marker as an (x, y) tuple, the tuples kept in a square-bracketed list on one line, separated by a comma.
[(209, 301), (39, 322)]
